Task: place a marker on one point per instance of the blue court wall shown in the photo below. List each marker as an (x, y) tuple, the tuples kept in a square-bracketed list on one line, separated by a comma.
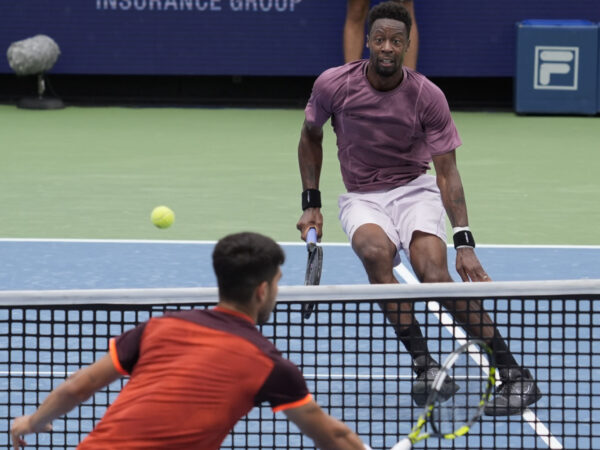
[(465, 38)]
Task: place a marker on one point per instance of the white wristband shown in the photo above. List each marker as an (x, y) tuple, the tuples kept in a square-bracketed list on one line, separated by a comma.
[(367, 447), (459, 229)]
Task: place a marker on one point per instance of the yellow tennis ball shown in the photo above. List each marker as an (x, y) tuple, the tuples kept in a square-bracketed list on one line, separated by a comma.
[(162, 217)]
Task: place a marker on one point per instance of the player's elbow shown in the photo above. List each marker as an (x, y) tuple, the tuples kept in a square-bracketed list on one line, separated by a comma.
[(311, 133)]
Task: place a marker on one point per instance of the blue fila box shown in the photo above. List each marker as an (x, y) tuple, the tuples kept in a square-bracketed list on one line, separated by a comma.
[(557, 67)]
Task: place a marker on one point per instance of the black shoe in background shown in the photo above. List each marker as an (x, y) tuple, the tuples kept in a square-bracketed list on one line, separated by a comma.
[(517, 391), (426, 370)]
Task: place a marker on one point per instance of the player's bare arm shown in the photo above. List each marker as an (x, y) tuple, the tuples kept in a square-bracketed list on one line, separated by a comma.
[(325, 431), (76, 389), (310, 160), (451, 188), (310, 155), (453, 197)]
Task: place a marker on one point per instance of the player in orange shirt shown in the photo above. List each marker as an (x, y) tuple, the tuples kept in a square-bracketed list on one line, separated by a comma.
[(194, 374)]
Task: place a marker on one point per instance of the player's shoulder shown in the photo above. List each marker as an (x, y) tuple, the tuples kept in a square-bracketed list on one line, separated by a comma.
[(345, 69), (287, 370), (268, 347), (270, 350), (425, 85), (339, 74), (232, 324)]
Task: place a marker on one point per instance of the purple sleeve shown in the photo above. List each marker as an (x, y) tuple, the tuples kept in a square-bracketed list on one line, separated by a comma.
[(441, 134), (319, 107), (128, 347), (285, 385)]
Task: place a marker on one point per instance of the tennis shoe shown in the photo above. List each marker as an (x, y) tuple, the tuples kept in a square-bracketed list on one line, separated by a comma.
[(517, 391), (427, 369)]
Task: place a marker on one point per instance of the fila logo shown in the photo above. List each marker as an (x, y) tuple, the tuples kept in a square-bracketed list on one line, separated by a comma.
[(556, 68)]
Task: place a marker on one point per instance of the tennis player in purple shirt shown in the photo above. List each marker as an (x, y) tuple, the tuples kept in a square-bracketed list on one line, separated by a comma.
[(391, 123)]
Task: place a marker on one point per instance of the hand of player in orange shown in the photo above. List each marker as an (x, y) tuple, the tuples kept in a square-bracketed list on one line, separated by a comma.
[(22, 426)]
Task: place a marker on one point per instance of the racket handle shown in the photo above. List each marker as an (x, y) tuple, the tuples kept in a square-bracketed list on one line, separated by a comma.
[(404, 444), (311, 236)]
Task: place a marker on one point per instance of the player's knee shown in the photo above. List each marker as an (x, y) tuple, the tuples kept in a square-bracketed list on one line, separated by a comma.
[(373, 254), (435, 275), (378, 263)]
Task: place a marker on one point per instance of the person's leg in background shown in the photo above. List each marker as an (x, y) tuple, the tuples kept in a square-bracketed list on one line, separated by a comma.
[(354, 29)]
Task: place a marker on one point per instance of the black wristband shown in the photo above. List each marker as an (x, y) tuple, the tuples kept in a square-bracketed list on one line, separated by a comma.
[(311, 198), (464, 238)]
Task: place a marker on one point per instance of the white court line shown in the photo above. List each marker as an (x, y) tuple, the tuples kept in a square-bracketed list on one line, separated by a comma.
[(106, 241), (354, 376), (445, 319), (312, 376), (34, 373), (294, 243)]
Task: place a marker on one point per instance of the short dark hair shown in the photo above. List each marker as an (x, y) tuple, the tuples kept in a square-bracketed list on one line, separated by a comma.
[(242, 261), (390, 10)]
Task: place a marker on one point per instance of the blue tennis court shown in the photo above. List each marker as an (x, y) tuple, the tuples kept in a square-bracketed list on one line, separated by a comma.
[(104, 264), (86, 264)]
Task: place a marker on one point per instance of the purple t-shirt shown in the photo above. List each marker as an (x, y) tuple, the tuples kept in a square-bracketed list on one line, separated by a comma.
[(384, 139)]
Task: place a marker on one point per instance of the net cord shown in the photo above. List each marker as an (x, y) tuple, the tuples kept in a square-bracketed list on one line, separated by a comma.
[(360, 292)]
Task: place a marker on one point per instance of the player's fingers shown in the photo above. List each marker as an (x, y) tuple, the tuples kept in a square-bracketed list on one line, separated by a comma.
[(303, 228), (473, 275), (18, 442), (480, 275), (304, 231), (16, 437), (463, 274)]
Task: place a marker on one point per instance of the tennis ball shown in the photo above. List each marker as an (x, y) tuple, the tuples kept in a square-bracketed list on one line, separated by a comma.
[(162, 217)]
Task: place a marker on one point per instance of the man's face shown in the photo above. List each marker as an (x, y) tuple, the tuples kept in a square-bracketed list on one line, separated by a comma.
[(387, 42), (265, 312)]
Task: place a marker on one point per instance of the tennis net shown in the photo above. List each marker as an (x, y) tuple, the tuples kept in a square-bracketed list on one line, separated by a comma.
[(353, 362)]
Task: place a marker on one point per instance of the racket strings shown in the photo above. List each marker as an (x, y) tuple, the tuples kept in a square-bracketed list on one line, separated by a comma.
[(470, 380)]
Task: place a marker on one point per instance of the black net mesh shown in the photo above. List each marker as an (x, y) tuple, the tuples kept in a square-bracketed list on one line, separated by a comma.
[(354, 364)]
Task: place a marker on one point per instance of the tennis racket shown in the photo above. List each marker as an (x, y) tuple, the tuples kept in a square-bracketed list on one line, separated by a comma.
[(313, 267), (472, 367)]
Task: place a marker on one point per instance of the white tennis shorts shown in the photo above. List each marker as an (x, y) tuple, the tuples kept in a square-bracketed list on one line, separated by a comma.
[(416, 206)]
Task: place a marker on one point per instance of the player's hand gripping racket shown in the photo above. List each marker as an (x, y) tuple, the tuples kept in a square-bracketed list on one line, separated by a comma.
[(313, 267), (472, 367)]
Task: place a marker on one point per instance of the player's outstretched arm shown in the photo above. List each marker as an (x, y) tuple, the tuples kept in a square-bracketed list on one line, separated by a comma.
[(326, 432), (74, 390), (310, 160), (453, 197)]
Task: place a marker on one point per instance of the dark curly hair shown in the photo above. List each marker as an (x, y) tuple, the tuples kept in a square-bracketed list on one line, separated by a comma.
[(390, 10), (244, 260)]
